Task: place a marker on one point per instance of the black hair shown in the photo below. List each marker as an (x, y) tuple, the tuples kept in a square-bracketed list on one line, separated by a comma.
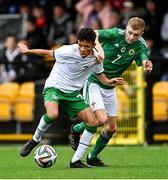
[(86, 34)]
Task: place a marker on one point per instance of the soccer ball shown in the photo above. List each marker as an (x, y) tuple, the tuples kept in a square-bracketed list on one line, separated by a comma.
[(45, 156)]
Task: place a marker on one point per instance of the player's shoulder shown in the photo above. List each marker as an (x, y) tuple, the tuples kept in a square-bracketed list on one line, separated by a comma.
[(67, 48), (116, 30), (142, 42), (70, 46), (113, 32), (120, 31)]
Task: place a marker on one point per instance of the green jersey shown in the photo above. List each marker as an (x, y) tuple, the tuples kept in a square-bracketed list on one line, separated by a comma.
[(119, 55)]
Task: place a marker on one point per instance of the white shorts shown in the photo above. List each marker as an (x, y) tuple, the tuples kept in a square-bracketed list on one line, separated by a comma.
[(100, 98)]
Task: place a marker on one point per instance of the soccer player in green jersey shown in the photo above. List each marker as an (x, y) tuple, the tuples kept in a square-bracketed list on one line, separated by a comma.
[(73, 65), (121, 48)]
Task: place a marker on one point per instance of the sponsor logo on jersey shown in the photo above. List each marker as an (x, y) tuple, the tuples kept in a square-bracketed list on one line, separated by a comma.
[(131, 52)]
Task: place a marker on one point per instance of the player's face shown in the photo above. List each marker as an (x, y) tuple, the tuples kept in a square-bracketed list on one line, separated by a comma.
[(86, 48), (131, 36)]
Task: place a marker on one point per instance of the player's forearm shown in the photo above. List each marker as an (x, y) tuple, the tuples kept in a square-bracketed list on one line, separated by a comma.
[(98, 45), (103, 78), (41, 52)]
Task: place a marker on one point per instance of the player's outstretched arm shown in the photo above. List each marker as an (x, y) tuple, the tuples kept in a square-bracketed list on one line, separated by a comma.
[(111, 82), (147, 66), (41, 52)]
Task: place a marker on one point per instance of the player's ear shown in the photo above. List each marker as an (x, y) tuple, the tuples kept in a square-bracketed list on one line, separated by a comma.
[(142, 33)]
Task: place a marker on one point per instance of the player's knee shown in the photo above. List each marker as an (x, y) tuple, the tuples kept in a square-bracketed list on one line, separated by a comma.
[(101, 116), (53, 115), (93, 122), (111, 128), (102, 120)]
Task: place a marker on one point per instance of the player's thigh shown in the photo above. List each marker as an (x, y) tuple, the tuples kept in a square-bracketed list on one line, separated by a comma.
[(51, 102), (92, 94), (110, 101), (74, 104), (87, 116)]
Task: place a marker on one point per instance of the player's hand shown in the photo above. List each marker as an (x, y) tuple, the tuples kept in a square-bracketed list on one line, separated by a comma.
[(22, 48), (99, 57), (116, 81), (148, 66)]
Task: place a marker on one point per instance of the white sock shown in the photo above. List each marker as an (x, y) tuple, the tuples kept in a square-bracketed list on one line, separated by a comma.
[(83, 145), (41, 128)]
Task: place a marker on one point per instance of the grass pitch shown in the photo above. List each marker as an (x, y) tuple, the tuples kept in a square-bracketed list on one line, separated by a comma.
[(124, 162)]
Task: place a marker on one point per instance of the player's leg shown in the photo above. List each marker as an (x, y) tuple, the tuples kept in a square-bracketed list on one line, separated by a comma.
[(103, 139), (76, 131), (89, 131), (85, 115), (92, 94), (111, 104), (45, 122)]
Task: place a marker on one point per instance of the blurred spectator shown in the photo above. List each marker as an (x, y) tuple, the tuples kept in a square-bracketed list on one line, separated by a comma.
[(39, 13), (34, 36), (10, 60), (127, 12), (164, 49), (115, 19), (116, 5), (89, 10), (152, 22), (96, 23), (164, 29), (24, 9), (61, 26), (31, 67)]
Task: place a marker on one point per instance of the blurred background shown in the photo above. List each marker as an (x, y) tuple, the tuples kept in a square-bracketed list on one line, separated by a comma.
[(49, 24)]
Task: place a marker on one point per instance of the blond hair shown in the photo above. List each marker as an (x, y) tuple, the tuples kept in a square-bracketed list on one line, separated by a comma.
[(136, 23)]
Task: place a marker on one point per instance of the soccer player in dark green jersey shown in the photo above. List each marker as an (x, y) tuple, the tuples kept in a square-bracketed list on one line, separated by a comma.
[(121, 48)]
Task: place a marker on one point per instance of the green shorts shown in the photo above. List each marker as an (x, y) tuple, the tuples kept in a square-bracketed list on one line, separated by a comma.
[(72, 103)]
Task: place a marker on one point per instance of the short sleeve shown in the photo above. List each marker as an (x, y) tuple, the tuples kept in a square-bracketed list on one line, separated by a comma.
[(99, 68)]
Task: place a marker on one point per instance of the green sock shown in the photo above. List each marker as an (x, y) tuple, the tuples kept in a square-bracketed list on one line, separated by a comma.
[(91, 129), (47, 119), (79, 127), (98, 147)]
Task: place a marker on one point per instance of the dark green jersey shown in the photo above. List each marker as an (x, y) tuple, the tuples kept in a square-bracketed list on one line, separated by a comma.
[(119, 55)]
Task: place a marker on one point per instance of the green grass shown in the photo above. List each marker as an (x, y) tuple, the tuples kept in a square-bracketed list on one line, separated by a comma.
[(127, 162)]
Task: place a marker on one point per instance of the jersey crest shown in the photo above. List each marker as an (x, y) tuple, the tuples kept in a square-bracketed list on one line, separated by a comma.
[(131, 52)]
